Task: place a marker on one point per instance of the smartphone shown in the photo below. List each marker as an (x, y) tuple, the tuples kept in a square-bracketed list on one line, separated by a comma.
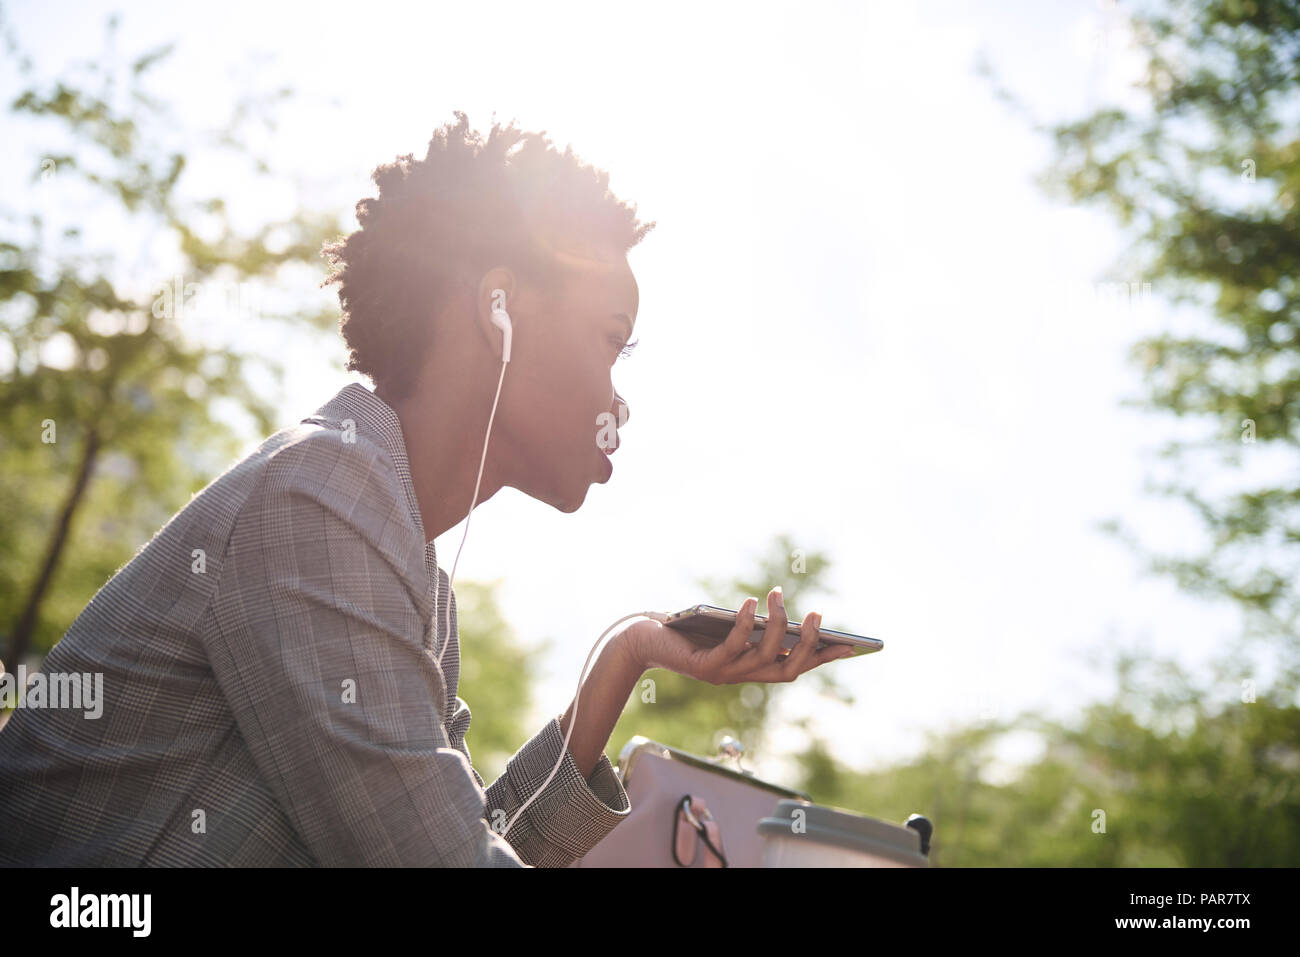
[(713, 624)]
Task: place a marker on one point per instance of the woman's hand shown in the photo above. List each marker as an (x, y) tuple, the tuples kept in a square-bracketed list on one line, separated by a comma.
[(736, 660)]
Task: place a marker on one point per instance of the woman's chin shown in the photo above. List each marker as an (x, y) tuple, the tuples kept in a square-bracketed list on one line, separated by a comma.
[(568, 500), (576, 503), (567, 493)]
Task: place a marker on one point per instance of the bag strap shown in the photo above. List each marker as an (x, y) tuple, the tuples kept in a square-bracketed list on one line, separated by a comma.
[(700, 826)]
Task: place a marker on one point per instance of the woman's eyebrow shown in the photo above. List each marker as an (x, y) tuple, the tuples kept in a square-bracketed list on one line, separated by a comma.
[(624, 316)]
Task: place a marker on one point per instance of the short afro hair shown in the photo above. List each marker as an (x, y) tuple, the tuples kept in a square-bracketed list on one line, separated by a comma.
[(439, 223)]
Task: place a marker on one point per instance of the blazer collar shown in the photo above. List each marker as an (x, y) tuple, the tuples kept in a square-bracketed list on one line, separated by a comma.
[(376, 418)]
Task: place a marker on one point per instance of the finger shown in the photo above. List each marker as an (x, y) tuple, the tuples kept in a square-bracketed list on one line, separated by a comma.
[(778, 672), (737, 640), (801, 657), (832, 653), (761, 674), (769, 647)]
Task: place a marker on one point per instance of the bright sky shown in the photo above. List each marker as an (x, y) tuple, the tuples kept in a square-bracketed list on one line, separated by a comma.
[(860, 321)]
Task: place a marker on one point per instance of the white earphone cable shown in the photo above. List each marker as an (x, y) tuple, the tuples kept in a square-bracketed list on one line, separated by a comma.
[(573, 719), (446, 631)]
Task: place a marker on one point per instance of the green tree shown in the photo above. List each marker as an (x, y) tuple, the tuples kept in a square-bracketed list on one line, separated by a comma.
[(495, 678), (1207, 181), (1159, 775), (107, 393), (1176, 769)]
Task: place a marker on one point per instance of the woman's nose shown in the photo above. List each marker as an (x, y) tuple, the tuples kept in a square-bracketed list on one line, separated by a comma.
[(622, 411)]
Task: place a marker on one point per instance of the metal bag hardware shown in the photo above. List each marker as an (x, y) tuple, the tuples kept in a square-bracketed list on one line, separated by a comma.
[(693, 824)]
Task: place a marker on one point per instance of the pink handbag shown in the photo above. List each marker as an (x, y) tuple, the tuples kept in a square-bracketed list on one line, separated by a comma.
[(687, 811)]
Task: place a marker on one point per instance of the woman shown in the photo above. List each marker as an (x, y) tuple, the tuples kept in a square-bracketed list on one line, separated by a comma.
[(270, 658)]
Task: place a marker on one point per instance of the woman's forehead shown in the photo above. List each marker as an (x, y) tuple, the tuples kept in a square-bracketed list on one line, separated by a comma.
[(607, 274)]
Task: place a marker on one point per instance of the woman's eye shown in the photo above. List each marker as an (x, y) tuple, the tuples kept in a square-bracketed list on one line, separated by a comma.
[(624, 350)]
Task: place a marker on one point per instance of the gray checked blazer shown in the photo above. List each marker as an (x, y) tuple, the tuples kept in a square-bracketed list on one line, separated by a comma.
[(271, 692)]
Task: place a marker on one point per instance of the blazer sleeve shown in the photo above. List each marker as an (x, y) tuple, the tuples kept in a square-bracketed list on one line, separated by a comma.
[(569, 818), (316, 639)]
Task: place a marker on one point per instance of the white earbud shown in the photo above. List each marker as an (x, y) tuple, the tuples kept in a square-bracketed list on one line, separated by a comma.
[(501, 319)]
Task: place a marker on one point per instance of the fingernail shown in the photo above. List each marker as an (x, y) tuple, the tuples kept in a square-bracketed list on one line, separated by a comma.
[(780, 598)]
